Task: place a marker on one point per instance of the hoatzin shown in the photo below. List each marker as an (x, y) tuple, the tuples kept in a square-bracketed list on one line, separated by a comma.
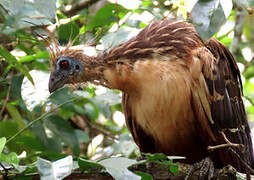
[(180, 94)]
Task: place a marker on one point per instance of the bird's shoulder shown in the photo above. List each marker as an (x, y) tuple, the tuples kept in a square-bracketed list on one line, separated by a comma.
[(169, 37)]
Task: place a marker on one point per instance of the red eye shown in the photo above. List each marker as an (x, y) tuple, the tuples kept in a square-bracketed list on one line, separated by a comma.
[(64, 64)]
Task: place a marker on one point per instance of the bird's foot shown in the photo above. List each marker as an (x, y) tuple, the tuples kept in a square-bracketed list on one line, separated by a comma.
[(205, 167)]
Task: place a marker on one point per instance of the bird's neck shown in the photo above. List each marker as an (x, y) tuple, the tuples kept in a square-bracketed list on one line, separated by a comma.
[(101, 72)]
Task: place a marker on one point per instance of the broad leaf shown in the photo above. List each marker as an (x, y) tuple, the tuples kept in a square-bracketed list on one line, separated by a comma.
[(11, 158), (35, 12), (105, 16), (63, 130), (209, 15), (68, 32)]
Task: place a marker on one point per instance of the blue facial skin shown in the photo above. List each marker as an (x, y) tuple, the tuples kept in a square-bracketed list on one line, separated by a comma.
[(61, 76)]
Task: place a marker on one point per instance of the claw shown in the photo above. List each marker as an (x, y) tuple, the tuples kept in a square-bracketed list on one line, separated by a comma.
[(206, 169)]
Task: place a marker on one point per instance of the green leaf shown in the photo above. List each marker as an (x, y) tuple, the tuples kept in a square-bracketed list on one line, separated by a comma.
[(63, 130), (68, 32), (174, 168), (16, 86), (144, 176), (15, 115), (88, 165), (30, 143), (92, 111), (2, 143), (118, 168), (39, 55), (208, 16), (13, 61), (61, 95), (105, 16), (51, 143), (36, 12), (155, 157), (11, 158), (8, 129), (82, 136)]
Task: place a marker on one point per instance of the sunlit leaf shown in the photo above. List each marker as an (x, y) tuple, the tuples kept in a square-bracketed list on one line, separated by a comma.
[(2, 143), (11, 158), (13, 61)]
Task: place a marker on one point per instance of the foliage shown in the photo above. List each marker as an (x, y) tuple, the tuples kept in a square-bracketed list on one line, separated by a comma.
[(87, 122)]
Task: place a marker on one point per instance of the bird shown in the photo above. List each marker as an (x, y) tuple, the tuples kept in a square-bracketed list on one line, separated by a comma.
[(181, 95)]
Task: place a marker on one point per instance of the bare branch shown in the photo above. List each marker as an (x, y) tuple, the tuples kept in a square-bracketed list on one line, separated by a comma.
[(228, 144)]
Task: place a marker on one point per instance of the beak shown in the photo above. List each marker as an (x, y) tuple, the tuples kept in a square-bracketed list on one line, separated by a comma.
[(56, 81)]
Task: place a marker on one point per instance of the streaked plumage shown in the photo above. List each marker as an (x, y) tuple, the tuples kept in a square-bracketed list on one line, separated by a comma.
[(178, 92)]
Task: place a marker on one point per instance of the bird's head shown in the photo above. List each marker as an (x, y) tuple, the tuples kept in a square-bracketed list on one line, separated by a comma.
[(66, 70), (69, 65)]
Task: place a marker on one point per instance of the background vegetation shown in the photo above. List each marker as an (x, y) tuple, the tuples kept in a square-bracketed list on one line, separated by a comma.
[(86, 120)]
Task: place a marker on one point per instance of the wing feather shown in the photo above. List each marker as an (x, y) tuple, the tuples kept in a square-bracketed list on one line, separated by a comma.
[(228, 113)]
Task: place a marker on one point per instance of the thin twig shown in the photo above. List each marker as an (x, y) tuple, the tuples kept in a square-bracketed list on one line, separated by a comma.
[(7, 96), (96, 127), (211, 148), (228, 144), (39, 118), (117, 14)]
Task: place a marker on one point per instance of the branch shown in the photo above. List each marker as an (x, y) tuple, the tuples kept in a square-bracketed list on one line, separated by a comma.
[(79, 6), (99, 129), (38, 119), (228, 144), (7, 96)]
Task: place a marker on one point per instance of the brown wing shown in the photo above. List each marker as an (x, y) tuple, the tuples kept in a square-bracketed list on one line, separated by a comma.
[(227, 107)]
